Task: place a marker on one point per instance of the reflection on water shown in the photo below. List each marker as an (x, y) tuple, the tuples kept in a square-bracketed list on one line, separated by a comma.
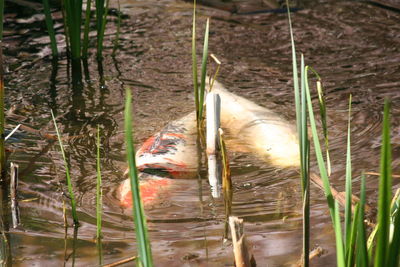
[(355, 48)]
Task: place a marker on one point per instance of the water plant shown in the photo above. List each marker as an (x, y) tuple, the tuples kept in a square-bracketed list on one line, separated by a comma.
[(101, 20), (143, 243), (199, 92), (99, 193), (304, 144), (67, 173), (73, 17), (50, 28)]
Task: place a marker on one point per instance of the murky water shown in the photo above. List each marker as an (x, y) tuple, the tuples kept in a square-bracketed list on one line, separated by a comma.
[(354, 46)]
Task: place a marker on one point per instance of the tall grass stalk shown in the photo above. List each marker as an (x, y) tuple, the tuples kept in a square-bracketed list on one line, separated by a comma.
[(301, 122), (194, 63), (348, 205), (99, 193), (86, 29), (143, 243), (385, 193), (69, 182), (199, 92), (322, 111), (361, 242), (73, 13), (116, 41), (101, 16), (203, 71), (50, 28)]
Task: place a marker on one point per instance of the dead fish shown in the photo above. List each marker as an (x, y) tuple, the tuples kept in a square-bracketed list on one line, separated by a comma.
[(150, 190), (261, 130), (172, 153)]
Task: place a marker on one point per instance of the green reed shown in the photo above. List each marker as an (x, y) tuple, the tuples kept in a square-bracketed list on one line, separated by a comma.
[(99, 193), (199, 92), (143, 242), (301, 120), (194, 64), (203, 71), (116, 41), (86, 29), (101, 19), (50, 28), (388, 234), (68, 176), (73, 13)]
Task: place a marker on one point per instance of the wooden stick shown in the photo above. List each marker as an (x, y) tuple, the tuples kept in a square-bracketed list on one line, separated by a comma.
[(13, 193), (338, 196), (120, 262), (243, 257)]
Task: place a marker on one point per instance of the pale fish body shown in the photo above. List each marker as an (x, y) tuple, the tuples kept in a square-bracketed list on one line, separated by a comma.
[(172, 153), (263, 131)]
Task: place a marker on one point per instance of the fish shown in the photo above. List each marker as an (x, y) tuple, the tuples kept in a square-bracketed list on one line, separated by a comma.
[(263, 131), (173, 152), (169, 154)]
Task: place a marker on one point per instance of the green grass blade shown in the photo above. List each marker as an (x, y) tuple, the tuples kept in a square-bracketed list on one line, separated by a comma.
[(69, 182), (385, 194), (393, 258), (322, 111), (340, 256), (116, 41), (318, 151), (86, 30), (100, 34), (143, 243), (347, 210), (305, 161), (353, 235), (99, 15), (73, 13), (194, 64), (203, 70), (50, 28), (295, 73), (99, 193), (361, 244)]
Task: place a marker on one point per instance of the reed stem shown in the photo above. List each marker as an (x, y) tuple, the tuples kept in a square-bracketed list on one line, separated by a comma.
[(99, 193), (67, 172), (143, 243), (50, 28)]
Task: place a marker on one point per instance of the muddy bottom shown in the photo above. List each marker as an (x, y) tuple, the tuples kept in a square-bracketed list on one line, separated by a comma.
[(354, 46)]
